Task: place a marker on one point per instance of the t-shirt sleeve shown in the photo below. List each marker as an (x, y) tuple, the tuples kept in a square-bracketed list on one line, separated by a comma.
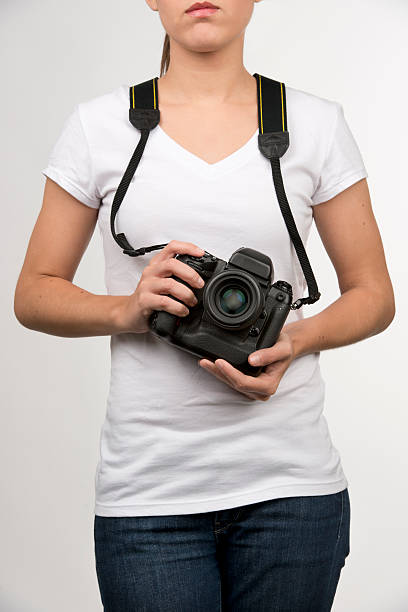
[(343, 164), (70, 163)]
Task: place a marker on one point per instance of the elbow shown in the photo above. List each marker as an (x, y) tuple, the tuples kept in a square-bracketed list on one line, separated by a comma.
[(19, 312), (378, 305), (20, 307), (389, 306), (389, 313), (386, 313)]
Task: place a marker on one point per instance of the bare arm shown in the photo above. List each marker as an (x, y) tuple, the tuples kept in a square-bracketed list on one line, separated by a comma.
[(45, 298), (366, 307)]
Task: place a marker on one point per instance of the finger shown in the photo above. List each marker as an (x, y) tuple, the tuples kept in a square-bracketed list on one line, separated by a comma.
[(280, 350), (175, 247), (245, 384), (220, 373), (211, 367), (175, 267), (169, 286)]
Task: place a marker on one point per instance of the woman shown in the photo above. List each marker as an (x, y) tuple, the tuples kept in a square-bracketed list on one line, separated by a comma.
[(213, 488)]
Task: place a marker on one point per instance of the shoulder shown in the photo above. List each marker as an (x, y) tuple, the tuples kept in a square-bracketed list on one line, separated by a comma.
[(104, 112), (305, 103), (104, 105), (310, 113), (311, 117)]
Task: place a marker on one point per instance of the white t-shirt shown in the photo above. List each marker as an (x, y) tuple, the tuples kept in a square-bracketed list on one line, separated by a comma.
[(176, 439)]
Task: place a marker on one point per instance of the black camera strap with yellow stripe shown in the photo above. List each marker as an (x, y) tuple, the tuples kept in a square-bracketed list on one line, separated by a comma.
[(273, 142)]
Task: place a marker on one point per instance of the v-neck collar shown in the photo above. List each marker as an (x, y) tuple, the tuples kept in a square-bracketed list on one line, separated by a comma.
[(232, 161), (193, 162)]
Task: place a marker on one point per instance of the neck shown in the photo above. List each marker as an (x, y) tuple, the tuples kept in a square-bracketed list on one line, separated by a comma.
[(207, 78)]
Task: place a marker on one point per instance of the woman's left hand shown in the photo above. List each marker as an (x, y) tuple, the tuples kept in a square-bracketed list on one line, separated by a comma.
[(276, 358)]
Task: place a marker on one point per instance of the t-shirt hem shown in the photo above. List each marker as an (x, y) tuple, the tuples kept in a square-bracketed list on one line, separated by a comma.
[(70, 187), (340, 186), (222, 503)]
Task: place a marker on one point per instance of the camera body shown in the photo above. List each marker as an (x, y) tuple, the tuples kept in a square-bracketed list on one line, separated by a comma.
[(239, 309)]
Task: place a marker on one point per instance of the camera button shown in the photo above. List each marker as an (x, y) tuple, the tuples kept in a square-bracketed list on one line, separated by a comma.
[(254, 331), (280, 297)]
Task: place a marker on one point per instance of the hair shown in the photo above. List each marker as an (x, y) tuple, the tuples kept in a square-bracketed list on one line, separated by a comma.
[(165, 60)]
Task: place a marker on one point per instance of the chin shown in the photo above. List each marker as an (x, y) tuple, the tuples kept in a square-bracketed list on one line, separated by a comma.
[(204, 44)]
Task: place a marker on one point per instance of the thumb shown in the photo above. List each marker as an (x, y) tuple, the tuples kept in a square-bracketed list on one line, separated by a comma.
[(268, 355)]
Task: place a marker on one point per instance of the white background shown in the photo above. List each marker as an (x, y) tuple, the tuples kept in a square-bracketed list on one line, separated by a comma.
[(53, 391)]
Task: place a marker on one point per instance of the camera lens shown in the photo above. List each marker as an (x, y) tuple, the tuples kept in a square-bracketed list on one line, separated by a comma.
[(233, 300)]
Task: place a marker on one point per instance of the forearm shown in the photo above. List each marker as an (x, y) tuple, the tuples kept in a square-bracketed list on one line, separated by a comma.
[(357, 314), (56, 306)]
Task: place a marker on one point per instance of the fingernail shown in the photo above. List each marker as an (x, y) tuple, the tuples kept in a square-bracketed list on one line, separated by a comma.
[(254, 359)]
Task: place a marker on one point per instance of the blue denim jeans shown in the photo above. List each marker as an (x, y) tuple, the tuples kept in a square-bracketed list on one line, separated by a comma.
[(280, 555)]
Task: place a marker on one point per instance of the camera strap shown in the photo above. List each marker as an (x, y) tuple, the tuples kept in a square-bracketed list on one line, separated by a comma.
[(273, 142)]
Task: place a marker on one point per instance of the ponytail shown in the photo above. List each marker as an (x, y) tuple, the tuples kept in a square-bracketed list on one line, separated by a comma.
[(165, 61)]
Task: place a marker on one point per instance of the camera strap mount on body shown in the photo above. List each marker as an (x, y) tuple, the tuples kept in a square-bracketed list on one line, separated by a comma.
[(273, 142)]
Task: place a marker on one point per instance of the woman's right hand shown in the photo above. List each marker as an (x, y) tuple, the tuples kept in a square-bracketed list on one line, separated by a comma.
[(156, 285)]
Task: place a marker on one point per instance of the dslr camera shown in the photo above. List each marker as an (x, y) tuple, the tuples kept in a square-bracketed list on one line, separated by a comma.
[(239, 310)]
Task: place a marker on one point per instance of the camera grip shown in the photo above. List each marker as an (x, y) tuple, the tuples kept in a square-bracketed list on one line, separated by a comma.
[(165, 323), (277, 319)]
